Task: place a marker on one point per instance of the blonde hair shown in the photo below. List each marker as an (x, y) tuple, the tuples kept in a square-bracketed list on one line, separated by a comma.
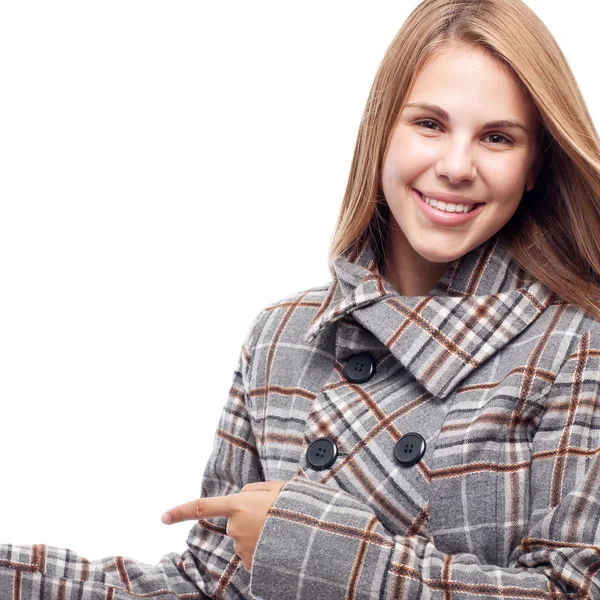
[(555, 232)]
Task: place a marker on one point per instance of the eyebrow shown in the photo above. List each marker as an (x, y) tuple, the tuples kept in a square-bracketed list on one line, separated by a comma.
[(442, 114)]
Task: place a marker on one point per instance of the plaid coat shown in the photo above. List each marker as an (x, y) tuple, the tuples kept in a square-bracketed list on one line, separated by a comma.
[(501, 379)]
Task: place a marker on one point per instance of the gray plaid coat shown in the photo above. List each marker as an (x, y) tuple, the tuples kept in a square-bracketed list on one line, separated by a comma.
[(499, 376)]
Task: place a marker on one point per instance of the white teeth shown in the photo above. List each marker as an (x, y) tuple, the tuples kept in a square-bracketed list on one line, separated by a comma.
[(449, 207)]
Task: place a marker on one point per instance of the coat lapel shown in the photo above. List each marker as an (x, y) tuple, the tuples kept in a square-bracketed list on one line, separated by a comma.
[(483, 300)]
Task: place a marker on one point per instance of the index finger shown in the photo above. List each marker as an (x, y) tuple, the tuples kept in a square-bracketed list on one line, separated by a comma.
[(201, 508)]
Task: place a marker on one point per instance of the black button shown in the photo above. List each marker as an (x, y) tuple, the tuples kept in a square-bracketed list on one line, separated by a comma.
[(321, 454), (410, 449), (359, 368)]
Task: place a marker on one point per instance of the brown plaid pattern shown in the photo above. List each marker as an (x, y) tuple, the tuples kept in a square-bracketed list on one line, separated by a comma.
[(497, 374)]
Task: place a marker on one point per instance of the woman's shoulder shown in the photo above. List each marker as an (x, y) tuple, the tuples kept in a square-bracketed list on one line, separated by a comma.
[(317, 294), (566, 316), (289, 317), (562, 331)]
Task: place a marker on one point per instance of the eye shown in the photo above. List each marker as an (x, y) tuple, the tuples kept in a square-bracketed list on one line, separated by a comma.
[(498, 135), (426, 121), (507, 141)]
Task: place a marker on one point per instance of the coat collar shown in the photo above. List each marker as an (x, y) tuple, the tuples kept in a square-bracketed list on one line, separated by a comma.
[(483, 300)]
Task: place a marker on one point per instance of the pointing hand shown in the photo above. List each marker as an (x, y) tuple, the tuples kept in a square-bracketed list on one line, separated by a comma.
[(246, 512)]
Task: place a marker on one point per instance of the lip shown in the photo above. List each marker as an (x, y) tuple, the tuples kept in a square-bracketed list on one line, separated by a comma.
[(449, 198), (443, 218)]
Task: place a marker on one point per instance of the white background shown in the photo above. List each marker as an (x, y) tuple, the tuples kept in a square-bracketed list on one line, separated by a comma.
[(167, 170)]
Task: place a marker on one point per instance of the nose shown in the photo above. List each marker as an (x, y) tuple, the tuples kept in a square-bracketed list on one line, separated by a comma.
[(456, 162)]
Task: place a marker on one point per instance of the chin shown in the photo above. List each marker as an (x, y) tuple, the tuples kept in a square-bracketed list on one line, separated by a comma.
[(440, 256)]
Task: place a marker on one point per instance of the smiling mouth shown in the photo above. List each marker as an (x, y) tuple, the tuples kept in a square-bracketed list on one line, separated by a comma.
[(471, 207)]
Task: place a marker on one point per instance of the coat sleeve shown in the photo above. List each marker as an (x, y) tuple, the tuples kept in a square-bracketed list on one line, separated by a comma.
[(208, 568), (323, 542), (233, 463)]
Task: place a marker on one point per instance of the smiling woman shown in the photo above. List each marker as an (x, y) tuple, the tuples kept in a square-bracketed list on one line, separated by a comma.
[(450, 187), (426, 424)]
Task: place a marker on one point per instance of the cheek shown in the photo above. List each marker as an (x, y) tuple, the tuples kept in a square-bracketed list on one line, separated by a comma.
[(389, 174), (506, 178), (408, 157), (403, 164)]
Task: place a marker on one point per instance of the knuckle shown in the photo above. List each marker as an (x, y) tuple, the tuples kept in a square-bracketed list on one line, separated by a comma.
[(199, 509)]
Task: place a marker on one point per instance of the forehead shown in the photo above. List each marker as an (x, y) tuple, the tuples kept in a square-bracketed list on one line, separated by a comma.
[(467, 80)]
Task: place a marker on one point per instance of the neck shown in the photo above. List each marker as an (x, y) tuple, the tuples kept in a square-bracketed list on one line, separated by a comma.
[(407, 271)]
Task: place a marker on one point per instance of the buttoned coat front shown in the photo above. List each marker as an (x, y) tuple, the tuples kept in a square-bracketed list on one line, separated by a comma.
[(499, 376)]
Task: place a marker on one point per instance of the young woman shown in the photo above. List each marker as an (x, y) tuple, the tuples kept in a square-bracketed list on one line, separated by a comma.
[(428, 423)]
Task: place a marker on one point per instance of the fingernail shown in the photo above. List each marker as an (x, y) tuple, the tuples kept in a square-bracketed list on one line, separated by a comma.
[(166, 518)]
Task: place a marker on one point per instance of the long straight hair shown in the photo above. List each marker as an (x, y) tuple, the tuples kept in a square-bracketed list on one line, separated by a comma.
[(555, 232)]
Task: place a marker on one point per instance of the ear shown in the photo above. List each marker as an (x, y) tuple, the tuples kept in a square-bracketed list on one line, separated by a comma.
[(536, 167)]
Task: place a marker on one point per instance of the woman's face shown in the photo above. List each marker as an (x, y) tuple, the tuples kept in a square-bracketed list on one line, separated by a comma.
[(458, 154)]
